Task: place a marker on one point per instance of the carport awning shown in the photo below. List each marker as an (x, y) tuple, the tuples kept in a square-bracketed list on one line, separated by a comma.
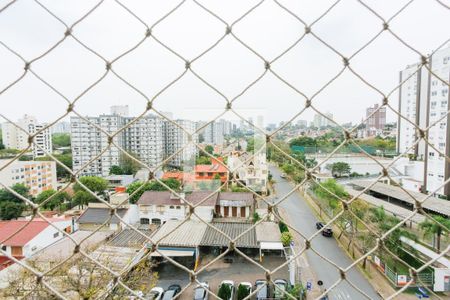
[(173, 253), (271, 246)]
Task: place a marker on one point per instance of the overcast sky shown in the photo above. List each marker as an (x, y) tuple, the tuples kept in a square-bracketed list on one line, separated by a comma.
[(230, 67)]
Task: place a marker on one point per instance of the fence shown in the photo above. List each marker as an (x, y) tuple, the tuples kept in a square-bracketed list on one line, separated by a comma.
[(38, 283)]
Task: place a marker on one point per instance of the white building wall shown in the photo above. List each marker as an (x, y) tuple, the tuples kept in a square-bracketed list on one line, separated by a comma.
[(47, 237), (437, 169)]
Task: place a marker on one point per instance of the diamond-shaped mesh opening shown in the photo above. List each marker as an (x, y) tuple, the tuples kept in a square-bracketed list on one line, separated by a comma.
[(249, 201)]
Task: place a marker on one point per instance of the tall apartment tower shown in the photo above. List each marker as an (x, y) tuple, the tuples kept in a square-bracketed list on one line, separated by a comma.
[(376, 119), (15, 138), (425, 101), (175, 139), (213, 133)]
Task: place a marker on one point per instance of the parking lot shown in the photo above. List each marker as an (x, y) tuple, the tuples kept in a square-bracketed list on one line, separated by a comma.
[(239, 270)]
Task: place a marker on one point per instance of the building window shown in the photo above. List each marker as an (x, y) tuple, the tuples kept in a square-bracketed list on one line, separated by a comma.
[(172, 207), (55, 235)]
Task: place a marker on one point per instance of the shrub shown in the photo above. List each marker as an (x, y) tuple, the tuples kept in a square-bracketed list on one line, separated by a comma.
[(286, 238), (224, 292)]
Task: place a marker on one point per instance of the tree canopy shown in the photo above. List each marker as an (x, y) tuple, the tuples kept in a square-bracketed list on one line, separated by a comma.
[(54, 202), (61, 140), (150, 186)]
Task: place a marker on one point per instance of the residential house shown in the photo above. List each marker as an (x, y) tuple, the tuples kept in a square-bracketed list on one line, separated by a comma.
[(232, 204), (212, 172), (250, 169), (32, 236)]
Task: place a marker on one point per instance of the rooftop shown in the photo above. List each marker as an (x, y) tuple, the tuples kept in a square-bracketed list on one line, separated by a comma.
[(158, 198), (245, 198), (433, 204), (99, 215), (26, 231), (213, 237), (215, 168), (188, 234)]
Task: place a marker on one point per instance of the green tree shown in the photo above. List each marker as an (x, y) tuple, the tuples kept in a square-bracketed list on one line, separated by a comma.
[(203, 160), (256, 217), (82, 198), (19, 188), (340, 168), (115, 170), (242, 291), (330, 191), (286, 238), (61, 140), (224, 292), (430, 228), (209, 149), (11, 210), (54, 202), (304, 141), (94, 183), (128, 165), (151, 186), (2, 146)]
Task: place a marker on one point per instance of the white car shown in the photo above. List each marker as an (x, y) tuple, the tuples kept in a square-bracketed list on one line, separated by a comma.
[(280, 288), (283, 176), (155, 293), (200, 291), (230, 283)]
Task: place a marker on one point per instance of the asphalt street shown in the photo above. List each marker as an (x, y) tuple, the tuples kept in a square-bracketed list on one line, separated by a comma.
[(303, 219)]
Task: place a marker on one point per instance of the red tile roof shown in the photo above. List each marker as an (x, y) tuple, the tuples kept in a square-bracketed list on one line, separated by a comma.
[(211, 168), (27, 233)]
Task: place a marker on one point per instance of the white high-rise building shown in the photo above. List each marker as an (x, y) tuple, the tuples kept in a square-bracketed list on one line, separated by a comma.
[(213, 133), (15, 137), (61, 127), (151, 139), (320, 121), (175, 139), (425, 101), (121, 110)]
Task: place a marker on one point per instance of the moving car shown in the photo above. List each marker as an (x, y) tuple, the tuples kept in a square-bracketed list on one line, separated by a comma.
[(200, 291), (247, 285), (229, 283), (280, 286), (328, 232), (155, 293), (171, 292), (262, 289)]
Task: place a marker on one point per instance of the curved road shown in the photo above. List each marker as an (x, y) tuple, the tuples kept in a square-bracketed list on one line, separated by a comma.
[(303, 219)]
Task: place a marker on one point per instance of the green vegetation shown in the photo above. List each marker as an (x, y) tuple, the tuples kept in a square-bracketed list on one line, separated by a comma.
[(60, 140), (286, 238), (224, 292), (11, 206), (96, 185), (339, 168), (139, 188), (330, 191), (115, 170), (242, 292), (383, 144), (203, 160), (55, 202), (256, 217), (254, 144), (283, 227), (2, 146), (297, 291), (431, 228)]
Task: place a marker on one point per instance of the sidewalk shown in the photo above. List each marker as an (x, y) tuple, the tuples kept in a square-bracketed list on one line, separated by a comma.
[(306, 272)]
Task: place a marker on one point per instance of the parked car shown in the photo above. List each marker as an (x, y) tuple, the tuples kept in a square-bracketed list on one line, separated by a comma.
[(262, 289), (280, 286), (155, 293), (283, 175), (328, 232), (229, 283), (171, 292), (200, 291), (247, 286)]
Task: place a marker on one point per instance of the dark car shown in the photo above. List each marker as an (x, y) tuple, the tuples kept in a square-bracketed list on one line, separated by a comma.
[(328, 232), (319, 225), (171, 292)]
